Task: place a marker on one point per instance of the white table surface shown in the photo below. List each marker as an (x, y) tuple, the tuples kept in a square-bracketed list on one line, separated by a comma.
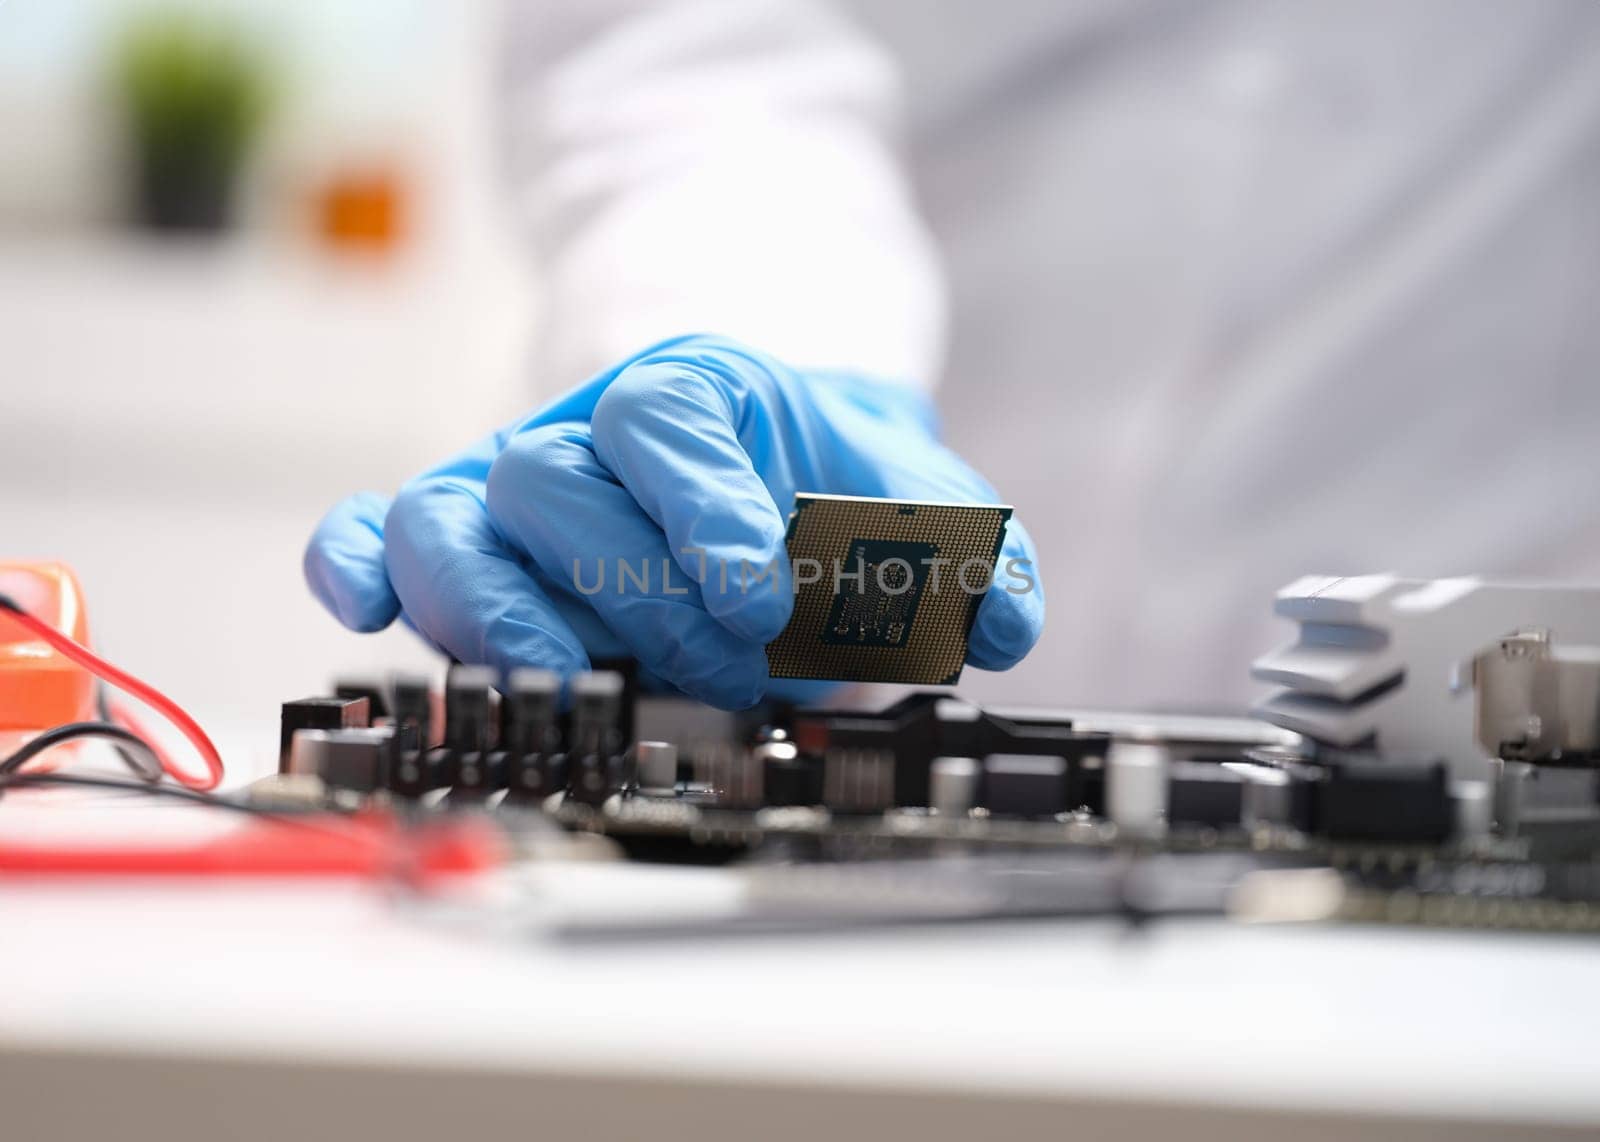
[(178, 1010)]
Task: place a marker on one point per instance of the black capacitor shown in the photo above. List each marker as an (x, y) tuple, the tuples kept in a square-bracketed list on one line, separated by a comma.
[(530, 763), (596, 738), (557, 772), (623, 769), (461, 764), (478, 774), (596, 712), (413, 716), (318, 714), (468, 708), (589, 778), (529, 712), (628, 670), (535, 776)]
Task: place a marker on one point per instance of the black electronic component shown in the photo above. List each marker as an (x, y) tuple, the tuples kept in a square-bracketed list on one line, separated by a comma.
[(787, 778), (531, 777), (596, 712), (626, 669), (1086, 784), (791, 781), (1024, 785), (530, 737), (595, 743), (413, 718), (318, 714), (468, 708), (885, 590), (588, 778), (462, 762), (555, 773), (1362, 800), (1204, 793), (529, 712), (924, 726)]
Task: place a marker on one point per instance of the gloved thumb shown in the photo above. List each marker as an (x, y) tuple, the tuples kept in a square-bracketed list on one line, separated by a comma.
[(1011, 615)]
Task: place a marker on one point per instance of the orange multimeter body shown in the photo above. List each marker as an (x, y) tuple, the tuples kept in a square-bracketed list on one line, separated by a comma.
[(39, 687)]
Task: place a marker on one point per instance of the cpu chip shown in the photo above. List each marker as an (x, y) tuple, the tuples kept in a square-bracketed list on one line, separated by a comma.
[(885, 590)]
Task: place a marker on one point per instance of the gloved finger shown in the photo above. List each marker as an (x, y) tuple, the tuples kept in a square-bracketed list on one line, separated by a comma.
[(668, 428), (464, 589), (344, 564), (1011, 615), (598, 640), (549, 495)]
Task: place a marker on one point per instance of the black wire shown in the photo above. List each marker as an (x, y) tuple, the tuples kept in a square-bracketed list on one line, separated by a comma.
[(176, 792), (102, 709), (134, 759), (75, 731)]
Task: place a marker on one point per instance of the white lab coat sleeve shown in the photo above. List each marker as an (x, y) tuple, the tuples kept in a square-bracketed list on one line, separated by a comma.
[(723, 166)]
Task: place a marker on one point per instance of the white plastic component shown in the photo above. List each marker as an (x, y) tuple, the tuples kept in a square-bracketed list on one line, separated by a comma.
[(1136, 787), (1474, 808), (1389, 660), (953, 785), (657, 764)]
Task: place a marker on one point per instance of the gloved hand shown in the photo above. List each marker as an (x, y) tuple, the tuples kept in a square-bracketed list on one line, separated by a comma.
[(697, 444)]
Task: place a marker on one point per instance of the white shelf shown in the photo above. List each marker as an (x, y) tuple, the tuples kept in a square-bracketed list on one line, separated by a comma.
[(177, 416)]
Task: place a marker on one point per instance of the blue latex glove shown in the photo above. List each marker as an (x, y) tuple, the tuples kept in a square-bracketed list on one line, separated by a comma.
[(696, 443)]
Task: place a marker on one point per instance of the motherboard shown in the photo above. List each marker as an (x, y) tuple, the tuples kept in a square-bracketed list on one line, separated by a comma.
[(1429, 755), (937, 808)]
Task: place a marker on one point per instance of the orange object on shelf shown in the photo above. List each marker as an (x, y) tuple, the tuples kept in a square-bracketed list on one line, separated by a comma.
[(363, 209), (40, 687)]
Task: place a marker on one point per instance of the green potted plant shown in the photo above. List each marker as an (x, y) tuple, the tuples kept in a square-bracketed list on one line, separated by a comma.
[(194, 94)]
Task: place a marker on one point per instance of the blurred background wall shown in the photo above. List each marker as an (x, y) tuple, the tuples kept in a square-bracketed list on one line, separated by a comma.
[(179, 405), (1279, 288)]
